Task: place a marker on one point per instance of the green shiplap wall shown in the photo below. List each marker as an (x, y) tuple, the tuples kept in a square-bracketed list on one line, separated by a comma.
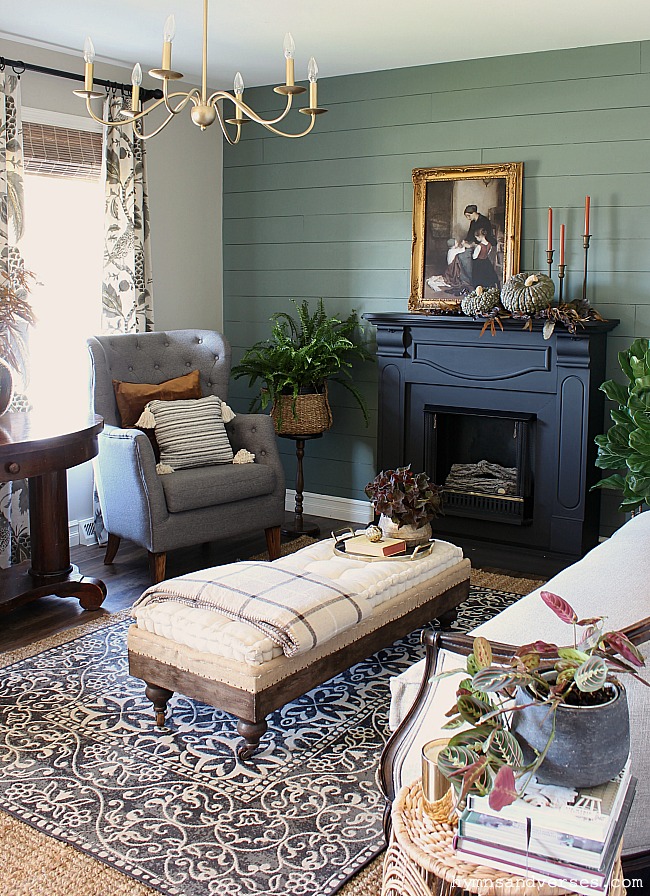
[(330, 215)]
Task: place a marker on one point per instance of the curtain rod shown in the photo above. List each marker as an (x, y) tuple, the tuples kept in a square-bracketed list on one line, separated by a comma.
[(18, 67)]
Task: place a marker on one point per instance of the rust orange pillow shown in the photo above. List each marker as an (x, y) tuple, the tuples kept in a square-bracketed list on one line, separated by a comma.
[(132, 397)]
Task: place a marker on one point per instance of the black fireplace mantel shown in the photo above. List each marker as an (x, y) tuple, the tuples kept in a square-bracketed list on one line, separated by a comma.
[(444, 361)]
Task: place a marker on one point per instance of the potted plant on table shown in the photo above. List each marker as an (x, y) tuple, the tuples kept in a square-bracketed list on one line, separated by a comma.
[(559, 713), (296, 362), (626, 445), (406, 503), (15, 314)]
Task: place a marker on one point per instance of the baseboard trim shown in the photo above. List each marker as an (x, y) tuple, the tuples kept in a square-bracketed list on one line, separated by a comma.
[(330, 506)]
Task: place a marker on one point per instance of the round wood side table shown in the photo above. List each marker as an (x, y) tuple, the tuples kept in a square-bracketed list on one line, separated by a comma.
[(421, 861), (35, 448)]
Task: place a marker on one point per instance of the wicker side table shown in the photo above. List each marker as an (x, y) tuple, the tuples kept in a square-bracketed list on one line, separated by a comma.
[(420, 860)]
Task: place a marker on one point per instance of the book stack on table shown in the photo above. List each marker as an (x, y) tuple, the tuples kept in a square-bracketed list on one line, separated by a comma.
[(563, 837)]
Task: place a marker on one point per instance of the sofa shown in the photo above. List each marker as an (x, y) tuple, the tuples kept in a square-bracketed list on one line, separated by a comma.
[(612, 580)]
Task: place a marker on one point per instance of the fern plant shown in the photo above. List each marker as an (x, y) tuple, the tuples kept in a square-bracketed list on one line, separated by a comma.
[(303, 351)]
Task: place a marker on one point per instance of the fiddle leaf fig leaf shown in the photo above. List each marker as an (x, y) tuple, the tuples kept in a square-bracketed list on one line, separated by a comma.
[(591, 675), (482, 653)]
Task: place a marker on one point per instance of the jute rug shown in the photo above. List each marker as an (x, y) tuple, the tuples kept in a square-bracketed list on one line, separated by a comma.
[(101, 805)]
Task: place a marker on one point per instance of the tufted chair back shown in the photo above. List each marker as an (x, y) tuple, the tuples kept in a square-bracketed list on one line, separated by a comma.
[(154, 358)]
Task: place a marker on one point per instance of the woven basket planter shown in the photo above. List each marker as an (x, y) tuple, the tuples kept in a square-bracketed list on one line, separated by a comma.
[(312, 414)]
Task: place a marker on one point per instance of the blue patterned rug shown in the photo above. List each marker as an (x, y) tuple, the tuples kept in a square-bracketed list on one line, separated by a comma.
[(81, 761)]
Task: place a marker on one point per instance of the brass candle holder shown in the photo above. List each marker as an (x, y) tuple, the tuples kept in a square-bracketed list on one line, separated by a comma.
[(585, 244), (549, 261), (561, 268)]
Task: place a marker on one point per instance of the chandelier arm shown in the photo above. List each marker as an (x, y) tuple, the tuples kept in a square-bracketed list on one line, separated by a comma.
[(224, 130), (284, 134), (160, 127), (243, 107), (187, 95), (111, 124)]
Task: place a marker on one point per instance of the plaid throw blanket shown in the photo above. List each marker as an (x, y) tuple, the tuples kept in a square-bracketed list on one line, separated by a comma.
[(295, 610)]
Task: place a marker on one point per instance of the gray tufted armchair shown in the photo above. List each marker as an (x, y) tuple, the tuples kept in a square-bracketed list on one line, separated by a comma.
[(186, 507)]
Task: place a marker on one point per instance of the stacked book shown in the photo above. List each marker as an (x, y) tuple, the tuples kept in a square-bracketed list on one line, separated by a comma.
[(567, 838)]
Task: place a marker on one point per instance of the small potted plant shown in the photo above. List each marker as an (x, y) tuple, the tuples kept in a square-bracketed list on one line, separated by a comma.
[(296, 362), (559, 713), (15, 314), (626, 445), (406, 503)]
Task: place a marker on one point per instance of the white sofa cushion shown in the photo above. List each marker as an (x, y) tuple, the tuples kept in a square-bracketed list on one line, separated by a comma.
[(612, 580)]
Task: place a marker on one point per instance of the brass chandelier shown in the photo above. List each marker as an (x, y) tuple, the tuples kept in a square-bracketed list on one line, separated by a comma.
[(205, 109)]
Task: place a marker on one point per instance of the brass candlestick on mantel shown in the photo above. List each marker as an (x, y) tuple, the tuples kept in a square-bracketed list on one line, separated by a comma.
[(549, 262), (561, 268), (585, 243)]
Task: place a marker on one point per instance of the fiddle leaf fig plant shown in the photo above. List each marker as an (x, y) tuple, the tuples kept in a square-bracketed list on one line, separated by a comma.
[(486, 757), (626, 445)]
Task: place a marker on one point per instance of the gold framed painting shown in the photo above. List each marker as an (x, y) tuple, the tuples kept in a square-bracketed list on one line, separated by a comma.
[(466, 231)]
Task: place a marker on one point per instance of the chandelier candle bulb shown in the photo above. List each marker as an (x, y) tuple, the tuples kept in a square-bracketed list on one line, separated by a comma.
[(89, 58), (136, 81), (312, 74), (169, 32), (289, 54)]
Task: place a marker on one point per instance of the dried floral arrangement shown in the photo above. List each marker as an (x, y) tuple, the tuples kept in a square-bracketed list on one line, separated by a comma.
[(15, 312)]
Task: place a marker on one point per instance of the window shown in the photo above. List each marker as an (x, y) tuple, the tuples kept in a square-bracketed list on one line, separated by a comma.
[(63, 246)]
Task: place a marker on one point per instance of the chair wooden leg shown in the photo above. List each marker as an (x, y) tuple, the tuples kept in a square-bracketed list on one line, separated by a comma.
[(157, 563), (111, 548), (273, 542)]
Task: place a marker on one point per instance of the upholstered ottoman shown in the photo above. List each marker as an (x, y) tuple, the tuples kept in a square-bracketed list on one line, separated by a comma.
[(249, 637)]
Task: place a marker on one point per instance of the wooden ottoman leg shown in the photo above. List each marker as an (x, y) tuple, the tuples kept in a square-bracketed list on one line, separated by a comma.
[(159, 697), (252, 732)]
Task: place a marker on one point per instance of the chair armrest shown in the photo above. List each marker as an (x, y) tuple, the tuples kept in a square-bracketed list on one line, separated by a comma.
[(130, 493), (256, 433)]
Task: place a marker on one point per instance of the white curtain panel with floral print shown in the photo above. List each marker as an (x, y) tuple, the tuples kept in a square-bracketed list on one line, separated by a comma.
[(127, 291), (14, 516), (127, 283)]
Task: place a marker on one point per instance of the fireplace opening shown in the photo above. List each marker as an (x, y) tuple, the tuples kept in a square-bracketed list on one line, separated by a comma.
[(484, 460)]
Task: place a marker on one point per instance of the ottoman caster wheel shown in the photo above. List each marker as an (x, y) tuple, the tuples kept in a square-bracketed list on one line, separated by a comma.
[(252, 732), (159, 697), (160, 719), (245, 753)]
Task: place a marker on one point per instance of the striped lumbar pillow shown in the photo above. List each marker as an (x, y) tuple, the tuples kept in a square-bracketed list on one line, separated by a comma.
[(190, 432)]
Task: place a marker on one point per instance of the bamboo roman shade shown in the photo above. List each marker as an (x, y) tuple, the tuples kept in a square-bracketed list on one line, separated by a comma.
[(61, 152)]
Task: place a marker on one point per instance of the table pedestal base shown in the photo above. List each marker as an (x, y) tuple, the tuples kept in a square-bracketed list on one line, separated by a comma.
[(18, 587), (296, 524)]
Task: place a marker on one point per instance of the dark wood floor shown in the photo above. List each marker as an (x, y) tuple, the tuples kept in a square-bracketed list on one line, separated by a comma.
[(125, 580)]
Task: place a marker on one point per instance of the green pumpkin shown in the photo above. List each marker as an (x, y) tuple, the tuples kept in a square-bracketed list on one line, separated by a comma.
[(480, 301), (527, 293)]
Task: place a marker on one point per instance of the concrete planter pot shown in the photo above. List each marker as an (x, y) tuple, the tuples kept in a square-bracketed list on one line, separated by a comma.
[(591, 743)]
